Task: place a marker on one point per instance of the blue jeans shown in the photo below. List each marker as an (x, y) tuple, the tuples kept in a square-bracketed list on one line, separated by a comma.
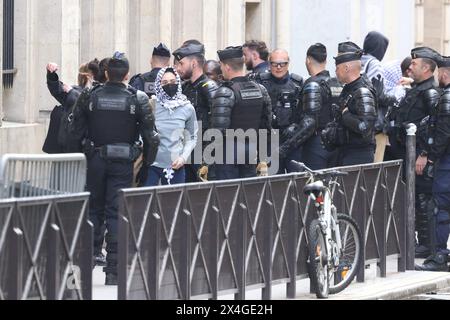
[(155, 175)]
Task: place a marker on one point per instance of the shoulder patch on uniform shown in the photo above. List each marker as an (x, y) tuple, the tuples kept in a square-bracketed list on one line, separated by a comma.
[(336, 91), (250, 94)]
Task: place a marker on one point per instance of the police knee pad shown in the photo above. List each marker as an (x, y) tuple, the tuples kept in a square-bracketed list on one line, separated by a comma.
[(422, 202)]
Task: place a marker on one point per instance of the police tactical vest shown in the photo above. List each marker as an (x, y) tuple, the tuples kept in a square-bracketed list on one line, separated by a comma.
[(112, 116), (285, 112), (149, 83), (248, 109)]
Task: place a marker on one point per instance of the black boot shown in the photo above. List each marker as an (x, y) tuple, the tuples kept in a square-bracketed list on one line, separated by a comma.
[(437, 262), (423, 212), (422, 252)]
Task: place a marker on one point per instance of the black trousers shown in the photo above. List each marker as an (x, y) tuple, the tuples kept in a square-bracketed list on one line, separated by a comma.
[(104, 179), (356, 155), (315, 156)]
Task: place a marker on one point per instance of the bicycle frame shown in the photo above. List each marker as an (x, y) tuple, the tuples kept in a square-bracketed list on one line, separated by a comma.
[(327, 214)]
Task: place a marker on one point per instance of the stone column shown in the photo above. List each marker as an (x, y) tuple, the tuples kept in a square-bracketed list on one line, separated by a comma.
[(121, 23), (210, 28), (165, 22), (234, 23), (434, 21), (1, 63), (283, 22), (21, 102), (97, 29)]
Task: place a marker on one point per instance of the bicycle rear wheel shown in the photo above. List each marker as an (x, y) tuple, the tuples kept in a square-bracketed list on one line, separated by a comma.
[(350, 257), (318, 260)]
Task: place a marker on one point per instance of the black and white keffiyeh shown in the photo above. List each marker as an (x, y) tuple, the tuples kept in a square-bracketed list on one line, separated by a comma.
[(179, 100)]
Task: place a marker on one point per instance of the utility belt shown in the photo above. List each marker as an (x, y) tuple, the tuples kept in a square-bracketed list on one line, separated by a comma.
[(115, 152)]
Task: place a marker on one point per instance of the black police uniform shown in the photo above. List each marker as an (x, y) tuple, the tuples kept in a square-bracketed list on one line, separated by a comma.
[(439, 167), (200, 93), (285, 96), (261, 68), (355, 136), (146, 82), (110, 119), (418, 104), (318, 95), (239, 104)]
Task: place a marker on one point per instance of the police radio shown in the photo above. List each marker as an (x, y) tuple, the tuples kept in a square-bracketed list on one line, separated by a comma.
[(286, 99)]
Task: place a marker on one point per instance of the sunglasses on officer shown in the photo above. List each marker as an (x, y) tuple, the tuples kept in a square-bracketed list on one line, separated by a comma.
[(275, 64)]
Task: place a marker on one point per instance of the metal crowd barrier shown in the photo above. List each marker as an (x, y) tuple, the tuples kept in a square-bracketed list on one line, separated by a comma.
[(45, 235), (46, 248), (203, 241), (41, 175)]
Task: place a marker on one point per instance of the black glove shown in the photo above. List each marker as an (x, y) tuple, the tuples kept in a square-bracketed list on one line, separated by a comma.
[(289, 132), (378, 85), (284, 151), (428, 171), (142, 176)]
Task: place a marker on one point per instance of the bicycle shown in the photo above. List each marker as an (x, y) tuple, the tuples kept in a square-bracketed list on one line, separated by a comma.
[(335, 240)]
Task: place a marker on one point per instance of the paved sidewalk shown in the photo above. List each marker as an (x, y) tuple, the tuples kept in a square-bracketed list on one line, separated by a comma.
[(394, 287)]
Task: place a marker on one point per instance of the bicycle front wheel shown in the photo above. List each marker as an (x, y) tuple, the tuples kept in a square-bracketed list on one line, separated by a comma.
[(350, 257), (318, 260)]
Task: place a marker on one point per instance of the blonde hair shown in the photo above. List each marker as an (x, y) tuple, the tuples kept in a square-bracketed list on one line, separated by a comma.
[(84, 75)]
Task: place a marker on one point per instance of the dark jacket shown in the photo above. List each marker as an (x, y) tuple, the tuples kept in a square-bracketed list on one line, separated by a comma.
[(52, 144)]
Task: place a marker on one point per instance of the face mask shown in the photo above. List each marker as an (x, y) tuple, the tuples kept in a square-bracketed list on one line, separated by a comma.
[(171, 89)]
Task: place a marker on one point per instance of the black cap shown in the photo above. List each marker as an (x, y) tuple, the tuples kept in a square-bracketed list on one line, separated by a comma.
[(443, 62), (230, 53), (189, 50), (161, 51), (348, 51), (318, 52), (425, 52), (118, 60)]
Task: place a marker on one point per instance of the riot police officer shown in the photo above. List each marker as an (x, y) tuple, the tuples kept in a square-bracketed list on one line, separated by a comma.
[(356, 112), (284, 91), (108, 119), (238, 104), (417, 105), (256, 56), (438, 165), (146, 82), (199, 90), (317, 96)]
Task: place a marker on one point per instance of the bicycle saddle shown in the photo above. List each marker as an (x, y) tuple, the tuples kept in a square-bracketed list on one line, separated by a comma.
[(316, 188)]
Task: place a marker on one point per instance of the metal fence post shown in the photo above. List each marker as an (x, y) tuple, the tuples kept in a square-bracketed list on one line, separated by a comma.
[(292, 230), (154, 256), (122, 266), (16, 265), (185, 267), (241, 256), (53, 264), (268, 243), (410, 166), (87, 261), (214, 260)]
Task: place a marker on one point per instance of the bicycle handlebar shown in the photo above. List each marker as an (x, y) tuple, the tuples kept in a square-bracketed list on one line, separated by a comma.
[(301, 166)]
